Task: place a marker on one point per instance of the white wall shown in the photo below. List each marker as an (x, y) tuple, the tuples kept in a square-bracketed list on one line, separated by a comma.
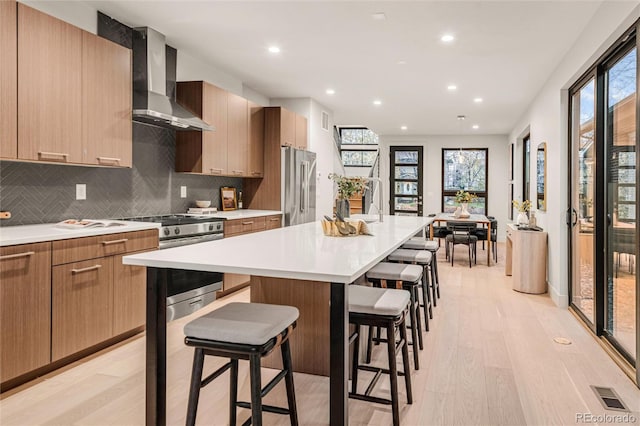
[(498, 171), (321, 142), (547, 120)]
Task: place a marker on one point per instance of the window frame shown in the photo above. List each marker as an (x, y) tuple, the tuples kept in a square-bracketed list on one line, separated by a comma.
[(357, 144), (451, 193), (358, 150)]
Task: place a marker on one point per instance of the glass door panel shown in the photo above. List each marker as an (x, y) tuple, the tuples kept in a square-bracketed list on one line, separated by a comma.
[(620, 134), (406, 180), (582, 200)]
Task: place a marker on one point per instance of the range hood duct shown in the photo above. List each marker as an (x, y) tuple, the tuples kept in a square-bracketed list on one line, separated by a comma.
[(151, 105)]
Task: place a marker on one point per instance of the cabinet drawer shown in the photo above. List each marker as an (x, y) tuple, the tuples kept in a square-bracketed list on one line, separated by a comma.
[(244, 226), (274, 221), (78, 249)]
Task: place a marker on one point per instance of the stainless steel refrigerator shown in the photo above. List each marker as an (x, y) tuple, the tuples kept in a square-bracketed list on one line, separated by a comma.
[(298, 186)]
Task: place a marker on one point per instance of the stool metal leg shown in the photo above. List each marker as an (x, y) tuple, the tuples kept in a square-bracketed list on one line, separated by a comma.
[(233, 392), (369, 345), (414, 332), (256, 390), (393, 374), (194, 390), (291, 395), (405, 361), (354, 364)]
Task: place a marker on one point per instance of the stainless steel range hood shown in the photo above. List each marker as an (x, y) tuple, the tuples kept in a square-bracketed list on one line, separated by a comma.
[(151, 105)]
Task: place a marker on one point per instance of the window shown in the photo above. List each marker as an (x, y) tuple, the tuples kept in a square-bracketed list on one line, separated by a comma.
[(358, 136), (465, 168), (358, 158), (526, 167)]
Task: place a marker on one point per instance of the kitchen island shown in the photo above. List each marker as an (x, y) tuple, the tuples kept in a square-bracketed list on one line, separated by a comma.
[(299, 253)]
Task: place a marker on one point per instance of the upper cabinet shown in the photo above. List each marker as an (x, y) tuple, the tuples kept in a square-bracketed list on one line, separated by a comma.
[(74, 94), (287, 126), (235, 148), (106, 100), (49, 88), (8, 79)]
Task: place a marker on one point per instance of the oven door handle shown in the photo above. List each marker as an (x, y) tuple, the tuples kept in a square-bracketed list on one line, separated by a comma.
[(176, 242)]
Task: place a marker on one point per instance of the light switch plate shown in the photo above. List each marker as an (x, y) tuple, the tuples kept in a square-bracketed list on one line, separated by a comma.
[(81, 191), (183, 192)]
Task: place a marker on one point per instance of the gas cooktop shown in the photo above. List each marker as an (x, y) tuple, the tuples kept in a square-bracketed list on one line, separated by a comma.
[(174, 219)]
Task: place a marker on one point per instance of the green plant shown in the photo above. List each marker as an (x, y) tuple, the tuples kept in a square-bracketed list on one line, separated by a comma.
[(348, 186), (523, 206), (463, 196)]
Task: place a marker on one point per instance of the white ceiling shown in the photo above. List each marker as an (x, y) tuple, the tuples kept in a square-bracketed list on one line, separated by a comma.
[(504, 51)]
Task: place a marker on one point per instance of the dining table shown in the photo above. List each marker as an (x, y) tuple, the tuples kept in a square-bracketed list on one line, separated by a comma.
[(293, 256), (476, 218)]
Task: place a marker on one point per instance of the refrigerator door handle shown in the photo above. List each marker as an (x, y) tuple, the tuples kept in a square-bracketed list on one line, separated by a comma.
[(307, 183), (303, 189)]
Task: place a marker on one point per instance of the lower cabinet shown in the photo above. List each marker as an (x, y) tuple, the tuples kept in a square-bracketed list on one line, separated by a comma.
[(25, 308), (129, 296), (82, 306)]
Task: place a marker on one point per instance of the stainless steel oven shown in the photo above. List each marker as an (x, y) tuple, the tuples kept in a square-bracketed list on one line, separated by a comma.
[(188, 291)]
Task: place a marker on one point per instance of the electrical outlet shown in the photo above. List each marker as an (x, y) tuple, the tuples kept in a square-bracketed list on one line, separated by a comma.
[(183, 192), (81, 191)]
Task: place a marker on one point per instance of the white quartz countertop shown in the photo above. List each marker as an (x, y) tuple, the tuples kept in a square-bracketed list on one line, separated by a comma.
[(298, 252), (244, 214), (23, 234)]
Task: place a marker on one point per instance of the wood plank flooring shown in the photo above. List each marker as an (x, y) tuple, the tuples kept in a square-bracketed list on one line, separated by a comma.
[(489, 359)]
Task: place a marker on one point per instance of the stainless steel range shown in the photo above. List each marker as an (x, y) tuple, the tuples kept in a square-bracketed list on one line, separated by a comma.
[(188, 291)]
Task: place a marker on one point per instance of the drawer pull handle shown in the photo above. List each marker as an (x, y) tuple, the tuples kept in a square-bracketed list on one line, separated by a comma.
[(53, 154), (256, 173), (247, 223), (124, 240), (17, 255), (90, 268), (238, 172), (274, 219), (195, 301), (108, 160)]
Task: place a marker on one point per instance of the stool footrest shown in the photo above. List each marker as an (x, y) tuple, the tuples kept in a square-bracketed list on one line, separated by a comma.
[(273, 383), (211, 377), (267, 408), (373, 382), (375, 369), (370, 398)]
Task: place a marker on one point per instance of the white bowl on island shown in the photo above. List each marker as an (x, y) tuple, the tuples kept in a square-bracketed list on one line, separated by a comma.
[(203, 204)]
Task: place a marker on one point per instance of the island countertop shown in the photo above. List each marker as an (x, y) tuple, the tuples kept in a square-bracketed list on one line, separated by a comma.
[(300, 252)]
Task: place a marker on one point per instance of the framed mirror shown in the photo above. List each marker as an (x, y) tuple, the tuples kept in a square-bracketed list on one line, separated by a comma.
[(541, 177)]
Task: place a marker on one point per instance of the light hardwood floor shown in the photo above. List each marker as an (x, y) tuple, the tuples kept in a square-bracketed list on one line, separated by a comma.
[(489, 359)]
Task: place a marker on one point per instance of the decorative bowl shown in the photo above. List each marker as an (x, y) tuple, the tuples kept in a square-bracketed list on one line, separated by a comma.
[(203, 204)]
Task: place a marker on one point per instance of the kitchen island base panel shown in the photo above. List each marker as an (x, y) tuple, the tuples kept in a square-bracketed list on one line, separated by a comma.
[(310, 342)]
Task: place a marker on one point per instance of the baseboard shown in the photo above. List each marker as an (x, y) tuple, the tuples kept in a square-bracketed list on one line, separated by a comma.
[(561, 300)]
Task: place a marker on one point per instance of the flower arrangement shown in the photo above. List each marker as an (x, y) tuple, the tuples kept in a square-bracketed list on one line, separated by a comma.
[(523, 206), (348, 186), (463, 196)]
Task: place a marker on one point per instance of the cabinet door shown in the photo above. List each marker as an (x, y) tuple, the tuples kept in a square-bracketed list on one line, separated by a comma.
[(214, 144), (273, 222), (25, 308), (82, 306), (256, 140), (301, 132), (287, 127), (8, 80), (49, 88), (106, 102), (129, 296), (237, 135)]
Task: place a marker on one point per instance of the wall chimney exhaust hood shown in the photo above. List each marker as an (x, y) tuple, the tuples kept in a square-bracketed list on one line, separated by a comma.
[(151, 105)]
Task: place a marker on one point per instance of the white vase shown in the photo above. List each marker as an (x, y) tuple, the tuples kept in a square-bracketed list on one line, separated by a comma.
[(457, 213), (464, 212), (522, 219)]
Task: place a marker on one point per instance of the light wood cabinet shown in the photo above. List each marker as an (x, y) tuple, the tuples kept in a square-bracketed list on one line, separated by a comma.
[(301, 132), (526, 260), (129, 296), (106, 100), (49, 88), (8, 80), (238, 135), (82, 305), (287, 127), (256, 140), (25, 308), (203, 152), (273, 222)]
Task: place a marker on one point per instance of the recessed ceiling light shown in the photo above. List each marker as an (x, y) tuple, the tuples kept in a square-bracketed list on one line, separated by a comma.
[(377, 102), (475, 127), (274, 49), (461, 117), (452, 87), (477, 100), (403, 127), (447, 38), (331, 92), (379, 16)]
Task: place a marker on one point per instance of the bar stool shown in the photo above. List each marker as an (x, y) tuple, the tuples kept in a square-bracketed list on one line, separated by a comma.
[(377, 307), (243, 331), (423, 258), (419, 243), (409, 276)]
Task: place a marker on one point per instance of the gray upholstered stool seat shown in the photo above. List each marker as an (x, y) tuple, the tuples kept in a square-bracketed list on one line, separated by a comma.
[(419, 243), (395, 272), (244, 323), (407, 255), (377, 301)]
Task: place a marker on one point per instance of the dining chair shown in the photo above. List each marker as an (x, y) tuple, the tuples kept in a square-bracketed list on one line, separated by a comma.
[(481, 233), (462, 232)]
